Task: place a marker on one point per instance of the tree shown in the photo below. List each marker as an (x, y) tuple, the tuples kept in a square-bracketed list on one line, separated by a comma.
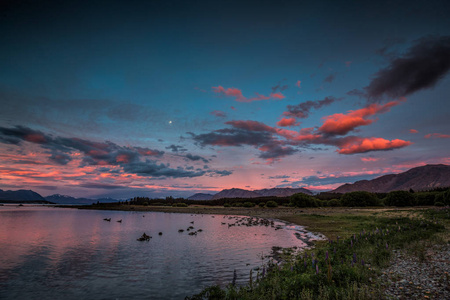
[(303, 200), (399, 198), (360, 198)]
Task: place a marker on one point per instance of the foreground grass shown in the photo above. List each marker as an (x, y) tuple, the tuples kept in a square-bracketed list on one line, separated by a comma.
[(347, 266)]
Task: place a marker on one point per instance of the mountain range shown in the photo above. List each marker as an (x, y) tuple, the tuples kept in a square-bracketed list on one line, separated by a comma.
[(20, 195), (64, 199), (29, 196), (241, 193), (420, 178)]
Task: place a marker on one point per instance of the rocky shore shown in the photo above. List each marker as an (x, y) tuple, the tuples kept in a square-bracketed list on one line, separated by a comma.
[(409, 277)]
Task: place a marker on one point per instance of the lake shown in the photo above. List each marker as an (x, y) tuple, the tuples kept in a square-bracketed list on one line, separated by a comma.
[(63, 253)]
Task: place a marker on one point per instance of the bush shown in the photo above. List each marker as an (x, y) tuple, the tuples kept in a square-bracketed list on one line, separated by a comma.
[(360, 198), (271, 204), (439, 204), (399, 198), (334, 203), (446, 197), (262, 204), (237, 204), (424, 199), (248, 204), (303, 200), (226, 205)]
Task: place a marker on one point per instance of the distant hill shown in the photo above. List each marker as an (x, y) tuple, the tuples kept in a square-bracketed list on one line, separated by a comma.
[(235, 193), (420, 178), (282, 192), (64, 199), (200, 196), (241, 193), (21, 195)]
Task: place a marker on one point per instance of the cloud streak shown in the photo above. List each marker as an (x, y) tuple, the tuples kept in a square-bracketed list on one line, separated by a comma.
[(239, 97), (302, 110), (437, 136)]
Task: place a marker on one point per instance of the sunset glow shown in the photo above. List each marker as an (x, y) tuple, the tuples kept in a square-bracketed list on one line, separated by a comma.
[(161, 99)]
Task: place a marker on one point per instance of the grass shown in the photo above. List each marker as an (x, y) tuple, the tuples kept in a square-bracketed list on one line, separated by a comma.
[(344, 268)]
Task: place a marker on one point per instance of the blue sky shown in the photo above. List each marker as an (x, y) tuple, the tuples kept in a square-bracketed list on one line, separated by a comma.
[(203, 86)]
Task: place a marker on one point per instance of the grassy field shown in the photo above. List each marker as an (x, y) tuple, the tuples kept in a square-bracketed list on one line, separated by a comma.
[(348, 265)]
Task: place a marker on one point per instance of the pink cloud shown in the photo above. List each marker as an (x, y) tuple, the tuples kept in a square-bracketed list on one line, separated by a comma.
[(218, 113), (285, 122), (341, 124), (362, 145), (348, 63), (298, 83), (238, 96), (369, 159), (437, 136), (413, 131), (230, 92), (277, 96), (305, 134)]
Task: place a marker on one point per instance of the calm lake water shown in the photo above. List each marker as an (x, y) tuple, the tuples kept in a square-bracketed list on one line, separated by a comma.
[(59, 253)]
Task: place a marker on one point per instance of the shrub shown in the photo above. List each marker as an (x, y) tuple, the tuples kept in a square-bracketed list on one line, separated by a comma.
[(303, 200), (271, 204), (399, 198), (446, 197), (439, 204), (424, 199), (181, 205), (360, 198), (248, 204), (334, 203), (226, 205), (237, 204), (262, 204)]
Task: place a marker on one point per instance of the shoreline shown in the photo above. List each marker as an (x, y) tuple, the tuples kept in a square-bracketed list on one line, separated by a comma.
[(317, 220)]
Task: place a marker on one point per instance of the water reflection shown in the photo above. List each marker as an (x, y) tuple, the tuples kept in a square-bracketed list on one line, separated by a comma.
[(75, 254)]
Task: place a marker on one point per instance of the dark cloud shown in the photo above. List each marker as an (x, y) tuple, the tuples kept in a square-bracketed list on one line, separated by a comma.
[(101, 186), (18, 134), (221, 173), (196, 158), (60, 158), (153, 169), (279, 88), (302, 110), (330, 78), (421, 67), (232, 137), (274, 151), (279, 177), (337, 178), (176, 148)]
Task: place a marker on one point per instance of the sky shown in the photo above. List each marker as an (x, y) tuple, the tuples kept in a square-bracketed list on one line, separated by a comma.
[(172, 98)]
